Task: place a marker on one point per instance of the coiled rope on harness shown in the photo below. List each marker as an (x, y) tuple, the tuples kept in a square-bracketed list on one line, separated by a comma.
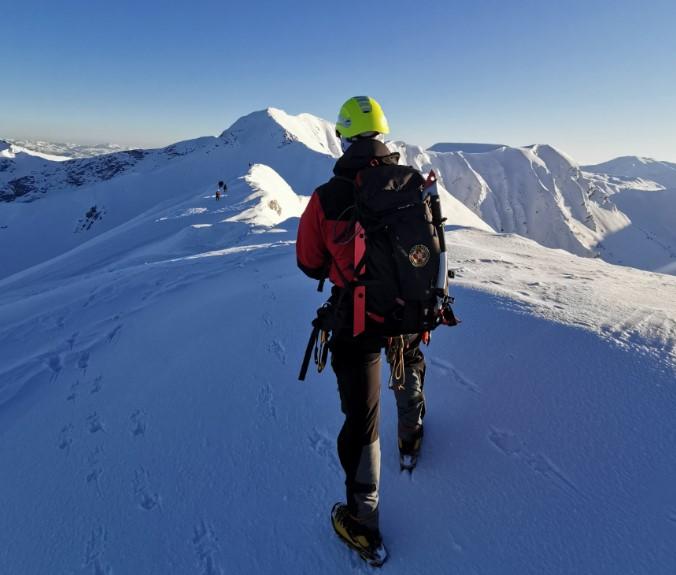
[(395, 357)]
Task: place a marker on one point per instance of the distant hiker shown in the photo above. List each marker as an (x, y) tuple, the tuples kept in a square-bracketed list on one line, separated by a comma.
[(328, 231), (221, 190)]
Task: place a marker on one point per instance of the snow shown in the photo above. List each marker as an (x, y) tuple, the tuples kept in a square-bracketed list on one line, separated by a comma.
[(470, 148), (66, 150), (12, 152), (664, 173), (271, 199), (151, 421)]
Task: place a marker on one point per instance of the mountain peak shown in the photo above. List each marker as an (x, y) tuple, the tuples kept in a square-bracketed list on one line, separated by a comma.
[(284, 129)]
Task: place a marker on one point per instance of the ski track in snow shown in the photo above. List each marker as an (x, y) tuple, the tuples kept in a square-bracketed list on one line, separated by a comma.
[(513, 446), (447, 369)]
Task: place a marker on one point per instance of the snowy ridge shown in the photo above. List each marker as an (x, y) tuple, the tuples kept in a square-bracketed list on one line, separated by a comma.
[(470, 148), (634, 167), (271, 200), (67, 150), (10, 150)]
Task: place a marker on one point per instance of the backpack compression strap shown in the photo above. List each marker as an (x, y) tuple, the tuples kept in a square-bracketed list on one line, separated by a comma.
[(359, 294)]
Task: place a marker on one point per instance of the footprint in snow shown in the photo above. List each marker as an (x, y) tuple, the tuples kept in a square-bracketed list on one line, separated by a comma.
[(71, 340), (95, 548), (205, 546), (138, 423), (277, 347), (83, 361), (266, 400), (95, 470), (97, 384), (145, 497), (94, 423), (66, 438), (55, 365), (72, 395), (324, 447)]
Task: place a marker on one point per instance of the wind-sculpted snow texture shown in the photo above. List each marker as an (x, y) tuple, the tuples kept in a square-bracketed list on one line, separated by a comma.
[(151, 421)]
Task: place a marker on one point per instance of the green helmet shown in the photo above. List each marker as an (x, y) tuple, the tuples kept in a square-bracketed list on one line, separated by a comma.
[(361, 115)]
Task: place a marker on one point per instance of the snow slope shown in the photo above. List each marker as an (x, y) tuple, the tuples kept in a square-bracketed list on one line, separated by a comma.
[(639, 187), (151, 421), (632, 167)]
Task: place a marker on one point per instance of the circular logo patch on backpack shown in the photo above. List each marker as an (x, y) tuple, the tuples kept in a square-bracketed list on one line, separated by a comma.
[(419, 255)]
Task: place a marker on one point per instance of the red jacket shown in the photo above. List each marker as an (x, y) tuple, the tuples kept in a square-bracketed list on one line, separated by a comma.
[(325, 245)]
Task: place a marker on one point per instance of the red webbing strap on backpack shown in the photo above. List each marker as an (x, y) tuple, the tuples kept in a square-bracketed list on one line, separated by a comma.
[(359, 302)]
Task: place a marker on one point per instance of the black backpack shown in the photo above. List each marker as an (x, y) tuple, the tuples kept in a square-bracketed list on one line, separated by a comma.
[(401, 275), (400, 281)]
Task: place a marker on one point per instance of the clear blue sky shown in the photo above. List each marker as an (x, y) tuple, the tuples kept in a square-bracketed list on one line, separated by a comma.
[(596, 79)]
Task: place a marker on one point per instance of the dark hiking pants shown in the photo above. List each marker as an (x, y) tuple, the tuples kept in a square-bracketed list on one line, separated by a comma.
[(356, 363)]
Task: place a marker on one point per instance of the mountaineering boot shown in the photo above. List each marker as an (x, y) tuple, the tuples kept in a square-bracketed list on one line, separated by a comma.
[(409, 450), (367, 542)]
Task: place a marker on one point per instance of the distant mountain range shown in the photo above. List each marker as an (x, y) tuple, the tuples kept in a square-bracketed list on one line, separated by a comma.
[(67, 150)]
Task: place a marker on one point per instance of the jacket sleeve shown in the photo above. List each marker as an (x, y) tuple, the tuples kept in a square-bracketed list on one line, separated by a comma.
[(311, 252)]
